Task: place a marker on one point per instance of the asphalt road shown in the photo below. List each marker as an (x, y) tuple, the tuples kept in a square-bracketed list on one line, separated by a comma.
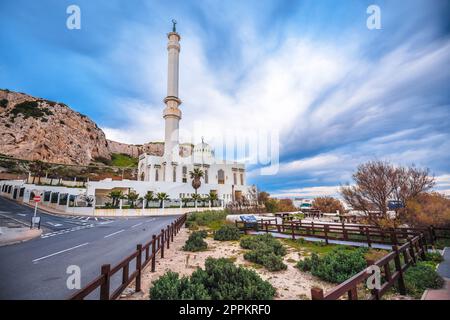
[(36, 269)]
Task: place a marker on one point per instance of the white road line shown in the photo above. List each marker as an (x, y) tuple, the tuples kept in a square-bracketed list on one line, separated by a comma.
[(54, 254), (108, 222), (136, 225), (109, 235), (22, 214)]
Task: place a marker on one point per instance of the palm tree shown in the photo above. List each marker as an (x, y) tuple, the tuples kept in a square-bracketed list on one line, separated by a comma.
[(149, 197), (185, 201), (196, 197), (115, 196), (212, 196), (132, 196), (196, 176), (161, 196)]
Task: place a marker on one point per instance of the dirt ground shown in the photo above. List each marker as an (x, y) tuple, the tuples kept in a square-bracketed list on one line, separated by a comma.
[(291, 284)]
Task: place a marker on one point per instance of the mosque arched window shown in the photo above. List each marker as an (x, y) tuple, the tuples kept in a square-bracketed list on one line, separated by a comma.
[(220, 177)]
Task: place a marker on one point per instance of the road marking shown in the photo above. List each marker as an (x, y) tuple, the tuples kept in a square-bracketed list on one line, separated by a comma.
[(62, 251), (54, 224), (22, 214), (136, 225), (107, 222), (109, 235)]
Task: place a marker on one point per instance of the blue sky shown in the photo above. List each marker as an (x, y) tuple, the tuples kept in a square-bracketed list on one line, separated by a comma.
[(337, 93)]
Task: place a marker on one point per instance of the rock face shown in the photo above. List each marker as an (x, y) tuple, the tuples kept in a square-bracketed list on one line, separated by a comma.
[(134, 150), (37, 129)]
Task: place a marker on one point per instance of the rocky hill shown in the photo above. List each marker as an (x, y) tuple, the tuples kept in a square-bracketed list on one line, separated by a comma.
[(37, 129)]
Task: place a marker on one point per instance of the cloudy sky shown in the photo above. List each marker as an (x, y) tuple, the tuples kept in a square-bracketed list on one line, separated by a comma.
[(311, 73)]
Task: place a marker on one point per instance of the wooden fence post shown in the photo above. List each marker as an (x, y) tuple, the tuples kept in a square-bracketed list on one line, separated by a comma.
[(162, 243), (171, 233), (393, 237), (369, 243), (292, 231), (138, 267), (153, 253), (266, 226), (317, 293), (325, 230), (422, 244), (344, 231), (104, 288), (398, 267), (411, 251), (433, 234), (168, 238)]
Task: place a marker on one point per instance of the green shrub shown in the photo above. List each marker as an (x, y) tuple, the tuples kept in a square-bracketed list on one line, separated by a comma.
[(309, 263), (420, 277), (171, 287), (253, 242), (195, 242), (220, 280), (227, 232), (30, 109), (272, 262), (203, 233), (225, 281), (434, 256), (3, 103), (335, 266), (265, 250), (213, 219)]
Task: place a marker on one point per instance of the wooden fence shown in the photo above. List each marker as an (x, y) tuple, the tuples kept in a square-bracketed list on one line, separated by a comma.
[(413, 246), (392, 268), (345, 232), (143, 256)]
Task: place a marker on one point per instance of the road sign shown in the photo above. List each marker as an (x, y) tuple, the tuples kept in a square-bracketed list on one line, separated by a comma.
[(37, 198), (36, 221)]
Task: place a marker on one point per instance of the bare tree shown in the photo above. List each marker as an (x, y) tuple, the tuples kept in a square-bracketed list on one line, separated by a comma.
[(378, 182)]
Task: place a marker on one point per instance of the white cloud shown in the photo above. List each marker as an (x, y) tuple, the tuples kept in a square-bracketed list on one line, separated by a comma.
[(327, 100), (309, 192)]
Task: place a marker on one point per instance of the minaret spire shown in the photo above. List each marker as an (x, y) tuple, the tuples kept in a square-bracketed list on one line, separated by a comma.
[(172, 114)]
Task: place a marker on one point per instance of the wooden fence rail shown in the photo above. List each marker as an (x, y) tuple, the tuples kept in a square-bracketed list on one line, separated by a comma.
[(392, 268), (346, 232), (144, 255)]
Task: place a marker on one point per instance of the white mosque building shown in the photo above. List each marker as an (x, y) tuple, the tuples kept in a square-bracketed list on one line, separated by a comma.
[(169, 173)]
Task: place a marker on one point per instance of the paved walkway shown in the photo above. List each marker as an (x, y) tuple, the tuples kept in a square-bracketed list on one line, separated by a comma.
[(346, 243), (15, 231), (444, 271)]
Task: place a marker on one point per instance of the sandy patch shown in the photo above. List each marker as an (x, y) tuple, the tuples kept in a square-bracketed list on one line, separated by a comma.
[(290, 283)]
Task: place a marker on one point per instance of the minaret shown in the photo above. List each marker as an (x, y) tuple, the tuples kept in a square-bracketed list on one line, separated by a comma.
[(172, 114)]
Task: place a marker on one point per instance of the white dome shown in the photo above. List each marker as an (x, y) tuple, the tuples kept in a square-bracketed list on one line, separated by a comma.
[(203, 148)]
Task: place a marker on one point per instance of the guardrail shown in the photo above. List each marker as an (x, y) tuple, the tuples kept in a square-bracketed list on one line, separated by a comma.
[(144, 255), (392, 268), (344, 232)]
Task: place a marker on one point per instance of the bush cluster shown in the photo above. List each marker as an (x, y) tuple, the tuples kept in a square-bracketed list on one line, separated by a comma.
[(30, 109), (265, 250), (336, 266), (227, 232), (434, 256), (195, 242), (212, 219), (220, 280), (420, 277)]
